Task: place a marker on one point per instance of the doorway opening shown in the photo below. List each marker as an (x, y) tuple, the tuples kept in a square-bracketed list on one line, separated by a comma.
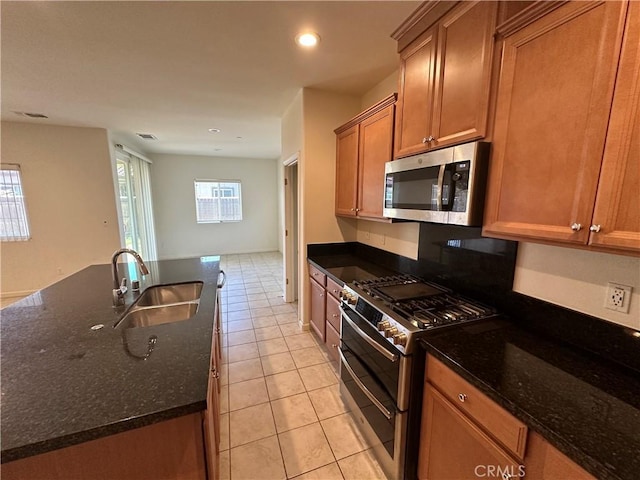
[(291, 228)]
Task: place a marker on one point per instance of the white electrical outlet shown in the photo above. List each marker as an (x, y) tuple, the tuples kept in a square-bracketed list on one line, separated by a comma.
[(618, 297)]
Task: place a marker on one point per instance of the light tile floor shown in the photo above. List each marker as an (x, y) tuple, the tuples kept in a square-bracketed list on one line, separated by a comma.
[(281, 413)]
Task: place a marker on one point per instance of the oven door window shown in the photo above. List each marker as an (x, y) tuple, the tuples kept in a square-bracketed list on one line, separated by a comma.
[(417, 189), (385, 371), (381, 412)]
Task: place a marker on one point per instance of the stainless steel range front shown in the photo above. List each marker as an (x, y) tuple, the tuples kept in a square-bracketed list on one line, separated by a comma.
[(382, 319)]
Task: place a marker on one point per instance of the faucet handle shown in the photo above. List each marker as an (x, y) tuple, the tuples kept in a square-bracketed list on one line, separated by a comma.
[(118, 297)]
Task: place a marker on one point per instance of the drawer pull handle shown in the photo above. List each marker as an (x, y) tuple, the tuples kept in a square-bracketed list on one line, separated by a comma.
[(462, 397)]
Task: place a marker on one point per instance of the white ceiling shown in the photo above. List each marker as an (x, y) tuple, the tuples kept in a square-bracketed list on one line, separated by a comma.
[(176, 69)]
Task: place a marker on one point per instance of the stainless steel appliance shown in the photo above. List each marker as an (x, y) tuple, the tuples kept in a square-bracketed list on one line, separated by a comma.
[(442, 186), (382, 318)]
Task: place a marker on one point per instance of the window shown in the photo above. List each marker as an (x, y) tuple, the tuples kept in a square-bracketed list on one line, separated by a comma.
[(218, 201), (14, 225)]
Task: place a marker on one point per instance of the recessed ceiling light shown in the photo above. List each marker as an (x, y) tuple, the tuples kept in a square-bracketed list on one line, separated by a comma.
[(214, 130), (238, 137), (217, 149), (308, 39)]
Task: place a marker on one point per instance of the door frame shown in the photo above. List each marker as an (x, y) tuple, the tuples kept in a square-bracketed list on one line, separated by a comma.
[(291, 224)]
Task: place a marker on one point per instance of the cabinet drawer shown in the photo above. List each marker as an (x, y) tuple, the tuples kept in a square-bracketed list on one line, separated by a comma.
[(333, 342), (499, 423), (333, 312), (333, 288), (317, 275)]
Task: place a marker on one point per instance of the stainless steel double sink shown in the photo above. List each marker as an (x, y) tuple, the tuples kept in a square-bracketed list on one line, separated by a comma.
[(163, 304)]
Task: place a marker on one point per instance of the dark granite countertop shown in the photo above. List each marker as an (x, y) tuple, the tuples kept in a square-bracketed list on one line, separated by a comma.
[(64, 383), (584, 404)]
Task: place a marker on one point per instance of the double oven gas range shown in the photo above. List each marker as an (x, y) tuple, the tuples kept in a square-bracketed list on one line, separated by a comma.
[(381, 372)]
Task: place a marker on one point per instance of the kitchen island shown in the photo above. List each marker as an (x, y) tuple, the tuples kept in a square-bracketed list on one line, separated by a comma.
[(66, 380)]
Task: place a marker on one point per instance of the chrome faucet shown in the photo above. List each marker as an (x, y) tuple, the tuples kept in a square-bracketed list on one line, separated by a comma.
[(120, 288)]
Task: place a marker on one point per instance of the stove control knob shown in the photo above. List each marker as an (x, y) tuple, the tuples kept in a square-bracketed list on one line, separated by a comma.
[(400, 339), (390, 332), (382, 326), (352, 299)]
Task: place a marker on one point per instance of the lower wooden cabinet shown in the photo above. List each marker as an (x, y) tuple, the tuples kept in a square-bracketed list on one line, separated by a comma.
[(171, 450), (456, 448), (317, 318), (466, 435), (325, 310)]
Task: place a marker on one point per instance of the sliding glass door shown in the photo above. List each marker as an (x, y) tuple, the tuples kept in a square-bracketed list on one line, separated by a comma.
[(134, 192)]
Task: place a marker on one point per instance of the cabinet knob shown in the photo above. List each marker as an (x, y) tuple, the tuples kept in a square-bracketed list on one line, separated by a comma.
[(334, 345), (594, 228), (576, 227), (353, 209), (431, 139), (425, 140), (357, 209), (322, 295), (334, 315), (506, 476), (215, 373), (462, 397)]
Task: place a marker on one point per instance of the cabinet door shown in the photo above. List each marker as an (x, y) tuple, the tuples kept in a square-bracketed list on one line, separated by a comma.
[(333, 342), (347, 171), (453, 448), (463, 73), (376, 144), (544, 462), (212, 414), (317, 319), (553, 106), (617, 209), (415, 98)]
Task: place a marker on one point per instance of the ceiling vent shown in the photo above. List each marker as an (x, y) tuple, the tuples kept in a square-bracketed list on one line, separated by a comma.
[(31, 114), (147, 136)]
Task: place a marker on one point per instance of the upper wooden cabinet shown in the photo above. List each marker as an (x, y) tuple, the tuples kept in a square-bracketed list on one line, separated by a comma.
[(363, 145), (616, 218), (554, 120), (445, 76)]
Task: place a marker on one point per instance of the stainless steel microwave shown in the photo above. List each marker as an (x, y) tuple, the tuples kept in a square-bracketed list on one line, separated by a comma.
[(442, 186)]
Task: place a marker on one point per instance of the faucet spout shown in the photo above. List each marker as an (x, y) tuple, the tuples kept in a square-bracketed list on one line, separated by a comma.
[(118, 288)]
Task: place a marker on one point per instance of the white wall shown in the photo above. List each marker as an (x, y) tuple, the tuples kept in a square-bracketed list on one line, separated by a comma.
[(382, 90), (178, 234), (577, 279), (70, 198)]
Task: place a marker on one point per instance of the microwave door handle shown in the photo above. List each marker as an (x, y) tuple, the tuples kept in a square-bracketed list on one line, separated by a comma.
[(440, 186)]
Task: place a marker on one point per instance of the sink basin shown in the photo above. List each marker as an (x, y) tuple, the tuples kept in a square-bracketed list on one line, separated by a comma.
[(157, 315), (168, 294)]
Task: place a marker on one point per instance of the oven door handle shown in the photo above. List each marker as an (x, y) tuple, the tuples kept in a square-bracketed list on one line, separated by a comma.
[(365, 337), (364, 389)]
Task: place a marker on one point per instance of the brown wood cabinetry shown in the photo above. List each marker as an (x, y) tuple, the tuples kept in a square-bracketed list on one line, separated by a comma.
[(317, 319), (325, 310), (455, 447), (211, 416), (544, 462), (363, 145), (171, 450), (616, 218), (553, 124), (464, 434), (445, 76)]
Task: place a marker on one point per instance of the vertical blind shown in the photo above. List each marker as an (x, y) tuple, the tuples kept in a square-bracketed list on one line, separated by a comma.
[(14, 225)]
